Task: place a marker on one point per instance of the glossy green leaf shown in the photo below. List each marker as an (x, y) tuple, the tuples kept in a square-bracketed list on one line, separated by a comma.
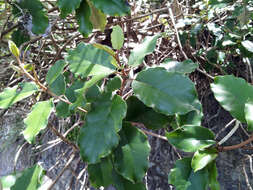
[(213, 175), (97, 18), (70, 91), (191, 118), (83, 14), (140, 51), (112, 7), (30, 180), (39, 18), (37, 119), (184, 178), (54, 71), (99, 134), (58, 87), (202, 158), (104, 174), (86, 60), (117, 37), (138, 112), (13, 48), (12, 95), (248, 45), (249, 114), (191, 138), (131, 157), (232, 93), (186, 66), (166, 92), (67, 7)]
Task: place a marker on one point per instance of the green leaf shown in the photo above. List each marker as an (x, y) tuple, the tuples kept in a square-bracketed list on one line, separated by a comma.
[(39, 18), (191, 118), (104, 174), (13, 49), (184, 178), (99, 134), (70, 91), (117, 37), (19, 37), (186, 66), (131, 157), (213, 174), (54, 71), (12, 95), (37, 119), (191, 138), (232, 93), (112, 7), (166, 92), (202, 158), (97, 18), (83, 14), (86, 60), (62, 109), (249, 114), (7, 181), (67, 7), (140, 51), (113, 84), (138, 112), (58, 87), (248, 45), (31, 179)]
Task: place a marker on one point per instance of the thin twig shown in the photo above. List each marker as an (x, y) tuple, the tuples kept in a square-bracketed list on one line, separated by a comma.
[(237, 123)]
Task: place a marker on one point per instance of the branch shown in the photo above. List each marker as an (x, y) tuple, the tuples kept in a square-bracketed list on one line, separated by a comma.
[(241, 145)]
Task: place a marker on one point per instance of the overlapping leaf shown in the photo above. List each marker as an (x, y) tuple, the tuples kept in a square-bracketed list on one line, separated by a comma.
[(112, 7), (67, 7), (29, 179), (37, 119), (104, 174), (12, 95), (99, 134), (86, 60), (97, 18), (183, 177), (232, 93), (54, 71), (191, 138), (131, 157), (83, 14), (138, 112), (140, 51), (202, 158), (39, 18), (249, 114), (166, 92)]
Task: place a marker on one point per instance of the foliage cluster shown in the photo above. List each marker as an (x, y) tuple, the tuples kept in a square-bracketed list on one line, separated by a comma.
[(115, 100)]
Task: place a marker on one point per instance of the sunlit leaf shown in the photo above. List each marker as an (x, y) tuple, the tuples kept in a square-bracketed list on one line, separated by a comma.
[(140, 51), (37, 119), (117, 37), (12, 95), (202, 158), (166, 92)]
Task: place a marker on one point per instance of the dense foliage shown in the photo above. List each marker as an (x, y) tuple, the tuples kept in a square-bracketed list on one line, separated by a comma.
[(120, 98)]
